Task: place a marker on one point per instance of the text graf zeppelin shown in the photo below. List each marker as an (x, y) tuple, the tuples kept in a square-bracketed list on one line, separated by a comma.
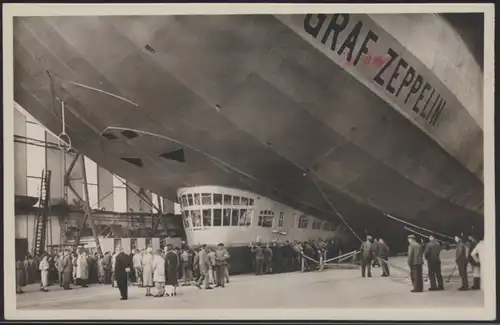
[(358, 45)]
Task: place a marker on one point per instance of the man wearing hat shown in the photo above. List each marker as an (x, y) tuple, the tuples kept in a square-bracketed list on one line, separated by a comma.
[(366, 253), (122, 268), (432, 254), (204, 264), (461, 260), (171, 269), (221, 257), (415, 262)]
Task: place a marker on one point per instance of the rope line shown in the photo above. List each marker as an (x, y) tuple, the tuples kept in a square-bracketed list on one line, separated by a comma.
[(418, 227), (341, 257), (335, 210), (422, 235)]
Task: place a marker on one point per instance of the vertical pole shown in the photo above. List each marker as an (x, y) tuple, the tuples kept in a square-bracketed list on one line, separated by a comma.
[(160, 212), (87, 208)]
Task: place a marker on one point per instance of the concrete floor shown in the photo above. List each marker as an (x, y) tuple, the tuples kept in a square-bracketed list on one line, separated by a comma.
[(331, 288)]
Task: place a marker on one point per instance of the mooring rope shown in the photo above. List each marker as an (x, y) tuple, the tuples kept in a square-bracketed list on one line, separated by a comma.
[(418, 227), (425, 236), (335, 210)]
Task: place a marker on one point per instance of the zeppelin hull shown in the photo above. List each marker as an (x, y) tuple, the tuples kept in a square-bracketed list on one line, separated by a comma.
[(247, 103)]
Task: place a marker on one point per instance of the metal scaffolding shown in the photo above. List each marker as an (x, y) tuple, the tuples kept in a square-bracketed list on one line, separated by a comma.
[(87, 210)]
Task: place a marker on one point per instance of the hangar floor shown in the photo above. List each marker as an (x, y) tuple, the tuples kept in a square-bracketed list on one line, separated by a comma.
[(331, 288)]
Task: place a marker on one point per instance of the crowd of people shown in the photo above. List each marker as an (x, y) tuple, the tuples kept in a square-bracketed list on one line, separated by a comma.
[(208, 267), (64, 268), (202, 266), (279, 257)]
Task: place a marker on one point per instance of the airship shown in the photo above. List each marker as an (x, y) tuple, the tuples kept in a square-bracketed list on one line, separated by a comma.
[(371, 121)]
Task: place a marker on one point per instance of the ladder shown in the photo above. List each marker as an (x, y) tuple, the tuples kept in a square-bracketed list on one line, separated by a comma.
[(42, 215)]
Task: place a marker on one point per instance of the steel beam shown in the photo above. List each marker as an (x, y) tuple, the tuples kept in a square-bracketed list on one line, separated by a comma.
[(88, 209), (67, 179), (144, 198), (159, 215)]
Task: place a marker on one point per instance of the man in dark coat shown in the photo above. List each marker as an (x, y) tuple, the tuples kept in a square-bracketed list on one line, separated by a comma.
[(172, 269), (287, 254), (20, 277), (123, 266), (259, 259), (268, 258), (415, 261), (221, 258), (277, 258), (383, 254), (67, 270), (366, 255), (432, 254), (461, 260)]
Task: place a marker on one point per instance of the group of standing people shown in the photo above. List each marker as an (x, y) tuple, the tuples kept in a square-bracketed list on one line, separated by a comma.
[(65, 268), (468, 252), (374, 252), (276, 257), (430, 251), (163, 268)]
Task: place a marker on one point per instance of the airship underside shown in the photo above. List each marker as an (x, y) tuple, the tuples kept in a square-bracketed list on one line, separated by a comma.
[(329, 114)]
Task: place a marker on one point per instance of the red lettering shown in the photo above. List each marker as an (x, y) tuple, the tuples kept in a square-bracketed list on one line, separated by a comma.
[(367, 59), (378, 60)]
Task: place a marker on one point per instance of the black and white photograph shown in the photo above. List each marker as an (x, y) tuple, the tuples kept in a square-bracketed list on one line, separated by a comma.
[(249, 162)]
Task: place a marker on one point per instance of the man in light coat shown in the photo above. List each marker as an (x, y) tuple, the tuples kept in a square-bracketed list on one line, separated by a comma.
[(211, 267), (82, 271), (44, 269), (159, 273), (113, 264), (204, 264), (147, 271), (59, 262), (366, 255), (415, 262), (137, 267)]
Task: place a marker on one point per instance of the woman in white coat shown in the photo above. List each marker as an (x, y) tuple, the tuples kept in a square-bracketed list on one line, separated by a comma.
[(113, 262), (147, 271), (82, 271), (44, 268), (478, 270), (159, 273)]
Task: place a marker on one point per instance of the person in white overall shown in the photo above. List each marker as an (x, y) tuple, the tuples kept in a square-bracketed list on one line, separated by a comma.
[(477, 270)]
